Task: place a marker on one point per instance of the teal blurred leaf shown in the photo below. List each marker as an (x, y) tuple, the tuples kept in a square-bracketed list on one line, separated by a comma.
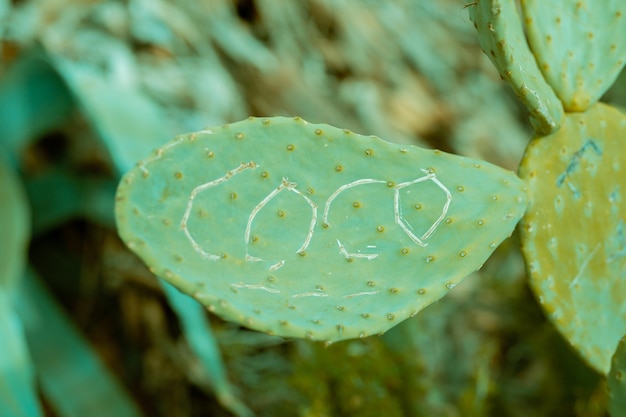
[(18, 395), (39, 101), (201, 339), (59, 196), (127, 122), (14, 225), (72, 376)]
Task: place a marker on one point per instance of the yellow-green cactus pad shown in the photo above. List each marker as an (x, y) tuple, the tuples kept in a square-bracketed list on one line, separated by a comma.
[(617, 381), (501, 36), (305, 230), (580, 46), (574, 232)]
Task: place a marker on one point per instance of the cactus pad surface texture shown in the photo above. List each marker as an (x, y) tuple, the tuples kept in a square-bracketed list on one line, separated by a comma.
[(617, 381), (304, 230), (502, 38), (574, 232), (579, 45)]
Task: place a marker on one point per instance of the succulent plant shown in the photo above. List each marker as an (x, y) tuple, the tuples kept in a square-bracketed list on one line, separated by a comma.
[(572, 234), (305, 230)]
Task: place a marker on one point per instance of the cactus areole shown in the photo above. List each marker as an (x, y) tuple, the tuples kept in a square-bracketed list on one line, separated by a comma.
[(304, 230)]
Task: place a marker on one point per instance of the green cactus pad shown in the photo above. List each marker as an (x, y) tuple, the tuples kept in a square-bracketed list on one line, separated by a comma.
[(580, 46), (304, 230), (617, 381), (502, 38), (574, 232)]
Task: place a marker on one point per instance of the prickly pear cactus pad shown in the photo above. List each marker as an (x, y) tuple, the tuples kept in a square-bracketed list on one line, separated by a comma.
[(501, 36), (304, 230), (617, 381), (580, 46), (574, 232)]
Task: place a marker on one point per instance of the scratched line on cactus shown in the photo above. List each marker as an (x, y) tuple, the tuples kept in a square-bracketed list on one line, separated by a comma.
[(291, 186), (194, 193), (158, 154), (574, 163), (583, 267)]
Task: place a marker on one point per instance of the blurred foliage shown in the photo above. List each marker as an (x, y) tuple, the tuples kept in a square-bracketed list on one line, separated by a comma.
[(86, 88)]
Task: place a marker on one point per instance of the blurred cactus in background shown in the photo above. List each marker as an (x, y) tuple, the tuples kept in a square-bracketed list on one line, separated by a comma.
[(88, 89)]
